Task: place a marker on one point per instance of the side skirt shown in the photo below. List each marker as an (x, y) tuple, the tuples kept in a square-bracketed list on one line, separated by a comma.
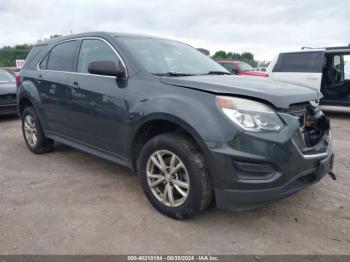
[(90, 149)]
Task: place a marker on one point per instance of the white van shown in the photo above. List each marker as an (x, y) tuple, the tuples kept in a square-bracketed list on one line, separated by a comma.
[(326, 69)]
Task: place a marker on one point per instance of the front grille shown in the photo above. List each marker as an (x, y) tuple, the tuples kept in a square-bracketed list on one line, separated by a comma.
[(8, 97)]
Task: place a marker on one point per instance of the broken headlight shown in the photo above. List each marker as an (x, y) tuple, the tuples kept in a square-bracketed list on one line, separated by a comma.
[(249, 114)]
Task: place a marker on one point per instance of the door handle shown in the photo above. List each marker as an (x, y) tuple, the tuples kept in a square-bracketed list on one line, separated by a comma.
[(40, 77), (76, 85)]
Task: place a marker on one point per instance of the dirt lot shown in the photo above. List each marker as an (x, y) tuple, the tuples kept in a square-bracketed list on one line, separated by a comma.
[(68, 202)]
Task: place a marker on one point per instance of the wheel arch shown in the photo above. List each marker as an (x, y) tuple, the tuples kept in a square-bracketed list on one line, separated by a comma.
[(28, 95), (24, 102), (159, 124)]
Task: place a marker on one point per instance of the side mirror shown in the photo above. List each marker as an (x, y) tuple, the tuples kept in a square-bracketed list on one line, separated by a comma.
[(106, 68)]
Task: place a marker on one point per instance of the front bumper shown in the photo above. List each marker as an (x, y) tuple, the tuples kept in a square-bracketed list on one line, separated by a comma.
[(256, 169)]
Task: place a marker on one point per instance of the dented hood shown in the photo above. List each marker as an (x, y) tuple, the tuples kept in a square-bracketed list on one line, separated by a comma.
[(281, 95)]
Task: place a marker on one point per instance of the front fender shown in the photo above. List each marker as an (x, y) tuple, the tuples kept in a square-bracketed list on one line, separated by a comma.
[(196, 113)]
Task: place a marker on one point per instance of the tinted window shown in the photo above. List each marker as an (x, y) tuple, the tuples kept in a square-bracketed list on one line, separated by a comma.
[(244, 67), (306, 62), (61, 56), (34, 56), (229, 67), (33, 52), (95, 50)]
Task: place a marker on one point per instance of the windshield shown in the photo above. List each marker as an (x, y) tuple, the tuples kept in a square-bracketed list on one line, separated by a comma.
[(6, 77), (245, 67), (165, 57)]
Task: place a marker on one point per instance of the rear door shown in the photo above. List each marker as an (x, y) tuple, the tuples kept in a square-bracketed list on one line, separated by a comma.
[(52, 79), (303, 68)]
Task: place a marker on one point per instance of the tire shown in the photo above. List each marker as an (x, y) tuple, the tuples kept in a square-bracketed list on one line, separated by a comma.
[(193, 173), (40, 144)]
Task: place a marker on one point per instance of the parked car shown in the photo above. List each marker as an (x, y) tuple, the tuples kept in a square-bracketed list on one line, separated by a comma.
[(324, 70), (190, 130), (260, 69), (240, 68), (8, 104)]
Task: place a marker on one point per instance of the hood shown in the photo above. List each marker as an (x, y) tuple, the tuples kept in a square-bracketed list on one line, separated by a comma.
[(279, 94), (254, 73), (8, 88)]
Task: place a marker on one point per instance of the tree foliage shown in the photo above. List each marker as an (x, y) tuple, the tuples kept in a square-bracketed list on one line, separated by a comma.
[(8, 54), (245, 57)]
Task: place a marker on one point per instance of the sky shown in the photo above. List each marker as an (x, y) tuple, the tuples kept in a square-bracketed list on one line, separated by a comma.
[(264, 28)]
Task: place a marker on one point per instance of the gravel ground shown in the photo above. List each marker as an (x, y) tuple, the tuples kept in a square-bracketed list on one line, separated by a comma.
[(68, 202)]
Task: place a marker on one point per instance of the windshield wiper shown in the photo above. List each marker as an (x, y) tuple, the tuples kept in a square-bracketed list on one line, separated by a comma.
[(217, 73), (174, 74)]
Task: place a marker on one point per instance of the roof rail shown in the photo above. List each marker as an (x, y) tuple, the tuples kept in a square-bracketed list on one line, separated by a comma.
[(327, 48), (309, 47), (338, 47)]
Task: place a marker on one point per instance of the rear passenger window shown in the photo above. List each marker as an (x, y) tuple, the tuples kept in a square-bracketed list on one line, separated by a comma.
[(95, 50), (304, 62), (62, 56)]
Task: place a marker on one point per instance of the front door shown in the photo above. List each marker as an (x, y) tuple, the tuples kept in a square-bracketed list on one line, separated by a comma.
[(97, 107)]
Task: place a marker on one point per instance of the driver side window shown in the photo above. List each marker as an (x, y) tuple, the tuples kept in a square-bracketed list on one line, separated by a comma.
[(95, 50)]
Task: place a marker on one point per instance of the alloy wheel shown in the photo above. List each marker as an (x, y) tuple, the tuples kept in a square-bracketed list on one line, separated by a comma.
[(30, 130), (168, 178)]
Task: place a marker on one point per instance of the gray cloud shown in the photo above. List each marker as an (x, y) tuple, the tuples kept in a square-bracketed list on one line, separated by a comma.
[(262, 27)]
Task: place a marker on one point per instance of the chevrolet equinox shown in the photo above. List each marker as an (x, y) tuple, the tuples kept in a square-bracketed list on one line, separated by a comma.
[(190, 130)]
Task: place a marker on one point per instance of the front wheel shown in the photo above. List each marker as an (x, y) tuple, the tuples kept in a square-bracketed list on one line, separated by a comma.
[(174, 176)]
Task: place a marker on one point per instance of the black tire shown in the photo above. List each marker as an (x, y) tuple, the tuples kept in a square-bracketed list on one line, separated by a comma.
[(43, 144), (200, 192)]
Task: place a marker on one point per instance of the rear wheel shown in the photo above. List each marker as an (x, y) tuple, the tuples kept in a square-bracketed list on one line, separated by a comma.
[(33, 134), (174, 177)]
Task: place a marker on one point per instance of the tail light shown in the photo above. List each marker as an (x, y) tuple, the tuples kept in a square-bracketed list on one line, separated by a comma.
[(18, 79)]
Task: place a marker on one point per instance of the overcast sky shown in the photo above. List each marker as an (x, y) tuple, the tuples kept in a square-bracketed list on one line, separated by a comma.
[(261, 27)]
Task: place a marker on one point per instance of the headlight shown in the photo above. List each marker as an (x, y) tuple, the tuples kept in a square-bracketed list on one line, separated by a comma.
[(249, 114)]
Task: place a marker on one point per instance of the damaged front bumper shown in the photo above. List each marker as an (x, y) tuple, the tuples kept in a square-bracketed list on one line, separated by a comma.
[(256, 169)]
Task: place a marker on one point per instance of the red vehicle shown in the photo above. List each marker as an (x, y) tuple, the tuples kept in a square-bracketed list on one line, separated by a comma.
[(241, 68)]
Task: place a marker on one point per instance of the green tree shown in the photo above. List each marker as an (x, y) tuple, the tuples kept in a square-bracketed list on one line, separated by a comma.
[(245, 57), (8, 54), (220, 55)]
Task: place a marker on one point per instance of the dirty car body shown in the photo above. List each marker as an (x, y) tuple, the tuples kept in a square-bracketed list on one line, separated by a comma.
[(250, 162)]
